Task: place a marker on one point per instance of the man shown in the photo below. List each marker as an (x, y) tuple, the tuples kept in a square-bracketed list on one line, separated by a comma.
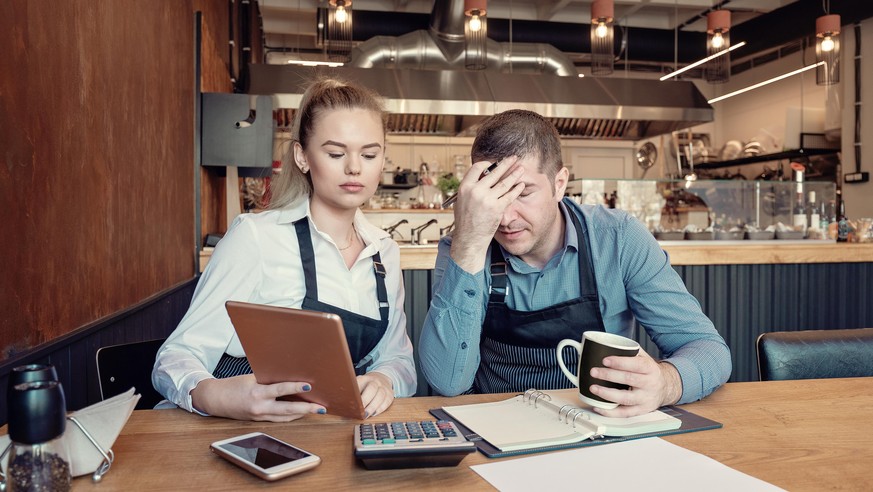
[(526, 268)]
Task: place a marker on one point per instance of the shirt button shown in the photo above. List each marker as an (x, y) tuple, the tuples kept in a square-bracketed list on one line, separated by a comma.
[(470, 293), (464, 345)]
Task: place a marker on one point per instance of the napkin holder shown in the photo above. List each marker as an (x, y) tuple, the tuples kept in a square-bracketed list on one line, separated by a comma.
[(90, 434)]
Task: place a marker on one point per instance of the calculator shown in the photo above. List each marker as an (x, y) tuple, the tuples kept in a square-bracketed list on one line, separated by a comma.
[(415, 444)]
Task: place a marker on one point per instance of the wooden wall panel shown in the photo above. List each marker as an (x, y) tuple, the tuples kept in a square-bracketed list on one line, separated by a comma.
[(214, 77), (96, 180), (75, 356)]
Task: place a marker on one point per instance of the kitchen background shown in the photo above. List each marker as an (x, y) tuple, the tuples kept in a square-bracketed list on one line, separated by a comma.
[(106, 204)]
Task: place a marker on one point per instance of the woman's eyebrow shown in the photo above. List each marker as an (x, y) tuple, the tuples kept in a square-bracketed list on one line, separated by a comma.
[(342, 145), (336, 144)]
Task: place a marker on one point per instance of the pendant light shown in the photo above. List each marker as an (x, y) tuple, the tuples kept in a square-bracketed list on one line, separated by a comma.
[(827, 49), (602, 18), (475, 34), (718, 69), (339, 30)]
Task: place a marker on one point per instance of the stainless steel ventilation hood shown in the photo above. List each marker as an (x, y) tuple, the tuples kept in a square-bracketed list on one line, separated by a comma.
[(453, 102)]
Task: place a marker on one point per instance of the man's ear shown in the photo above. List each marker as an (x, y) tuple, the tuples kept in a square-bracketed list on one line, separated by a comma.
[(300, 158), (561, 179)]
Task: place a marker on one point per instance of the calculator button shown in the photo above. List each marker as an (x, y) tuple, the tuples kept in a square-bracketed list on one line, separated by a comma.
[(368, 441), (388, 441)]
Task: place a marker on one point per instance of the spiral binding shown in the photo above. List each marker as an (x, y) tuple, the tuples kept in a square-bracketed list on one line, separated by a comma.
[(567, 413), (532, 395)]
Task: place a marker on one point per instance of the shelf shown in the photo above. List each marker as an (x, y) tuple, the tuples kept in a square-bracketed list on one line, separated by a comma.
[(396, 186), (787, 154)]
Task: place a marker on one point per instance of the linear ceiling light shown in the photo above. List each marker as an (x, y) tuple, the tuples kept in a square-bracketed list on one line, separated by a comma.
[(760, 84), (310, 63), (704, 60)]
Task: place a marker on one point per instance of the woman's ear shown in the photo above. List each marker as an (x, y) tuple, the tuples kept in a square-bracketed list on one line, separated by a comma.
[(300, 158)]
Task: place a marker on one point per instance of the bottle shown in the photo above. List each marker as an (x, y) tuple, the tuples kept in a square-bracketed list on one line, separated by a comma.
[(460, 167), (812, 215), (842, 224), (798, 213), (824, 220)]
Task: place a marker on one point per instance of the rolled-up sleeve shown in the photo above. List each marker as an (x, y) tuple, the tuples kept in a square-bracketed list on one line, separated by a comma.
[(449, 346), (192, 351), (670, 315), (393, 354)]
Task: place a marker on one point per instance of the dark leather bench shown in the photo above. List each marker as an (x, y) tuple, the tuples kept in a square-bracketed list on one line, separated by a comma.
[(813, 354)]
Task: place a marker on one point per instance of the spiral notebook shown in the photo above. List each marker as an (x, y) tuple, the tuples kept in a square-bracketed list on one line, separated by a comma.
[(548, 420)]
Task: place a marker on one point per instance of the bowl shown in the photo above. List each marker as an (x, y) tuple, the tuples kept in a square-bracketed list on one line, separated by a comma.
[(669, 235), (729, 235), (789, 234), (760, 235), (699, 236)]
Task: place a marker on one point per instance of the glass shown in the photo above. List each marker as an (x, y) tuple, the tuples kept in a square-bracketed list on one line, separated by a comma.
[(714, 209), (863, 230)]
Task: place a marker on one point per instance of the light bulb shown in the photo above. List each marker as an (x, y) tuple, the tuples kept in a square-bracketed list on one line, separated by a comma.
[(827, 44), (601, 31), (341, 15), (717, 40), (475, 23)]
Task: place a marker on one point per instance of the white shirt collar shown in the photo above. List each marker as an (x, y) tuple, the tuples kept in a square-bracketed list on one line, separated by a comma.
[(372, 235)]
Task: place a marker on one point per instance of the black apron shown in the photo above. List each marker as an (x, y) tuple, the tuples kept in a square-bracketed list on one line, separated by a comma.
[(362, 333), (517, 349)]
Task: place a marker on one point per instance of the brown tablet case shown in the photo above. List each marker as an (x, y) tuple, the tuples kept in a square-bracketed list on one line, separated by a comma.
[(285, 344)]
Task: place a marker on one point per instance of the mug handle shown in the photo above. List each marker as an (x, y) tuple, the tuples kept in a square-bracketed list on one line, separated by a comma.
[(564, 343)]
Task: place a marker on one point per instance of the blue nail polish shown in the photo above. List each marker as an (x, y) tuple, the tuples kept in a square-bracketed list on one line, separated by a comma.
[(306, 387), (322, 411)]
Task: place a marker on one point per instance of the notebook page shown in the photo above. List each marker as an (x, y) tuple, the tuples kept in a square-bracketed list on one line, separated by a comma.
[(655, 421), (512, 424)]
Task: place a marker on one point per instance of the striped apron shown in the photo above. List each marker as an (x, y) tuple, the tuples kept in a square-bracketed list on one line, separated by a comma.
[(362, 333), (518, 347)]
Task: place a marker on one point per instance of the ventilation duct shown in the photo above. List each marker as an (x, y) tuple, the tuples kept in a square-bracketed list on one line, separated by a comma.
[(453, 102), (422, 77), (441, 47)]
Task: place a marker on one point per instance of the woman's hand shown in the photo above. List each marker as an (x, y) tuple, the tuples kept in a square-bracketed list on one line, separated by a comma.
[(377, 392), (242, 398)]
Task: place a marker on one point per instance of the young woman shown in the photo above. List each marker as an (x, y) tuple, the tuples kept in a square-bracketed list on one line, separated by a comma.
[(334, 167)]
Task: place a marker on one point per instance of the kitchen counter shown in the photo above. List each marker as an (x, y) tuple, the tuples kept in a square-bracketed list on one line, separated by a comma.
[(422, 257), (713, 253)]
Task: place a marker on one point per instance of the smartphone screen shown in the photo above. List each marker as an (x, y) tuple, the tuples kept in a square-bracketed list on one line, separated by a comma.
[(264, 451)]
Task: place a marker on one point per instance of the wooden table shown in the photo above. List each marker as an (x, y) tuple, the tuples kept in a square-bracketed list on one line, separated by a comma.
[(799, 435)]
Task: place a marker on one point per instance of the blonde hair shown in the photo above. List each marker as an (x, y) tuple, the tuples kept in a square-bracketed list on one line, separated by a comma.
[(323, 94)]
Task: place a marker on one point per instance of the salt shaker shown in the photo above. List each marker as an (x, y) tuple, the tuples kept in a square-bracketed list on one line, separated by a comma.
[(38, 459)]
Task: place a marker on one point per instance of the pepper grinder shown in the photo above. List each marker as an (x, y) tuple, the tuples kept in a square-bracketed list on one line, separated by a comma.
[(38, 459)]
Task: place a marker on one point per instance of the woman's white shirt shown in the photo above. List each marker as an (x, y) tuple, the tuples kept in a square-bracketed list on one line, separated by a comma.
[(258, 261)]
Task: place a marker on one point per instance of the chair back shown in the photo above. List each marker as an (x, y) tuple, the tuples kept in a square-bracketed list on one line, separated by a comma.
[(813, 354), (129, 364)]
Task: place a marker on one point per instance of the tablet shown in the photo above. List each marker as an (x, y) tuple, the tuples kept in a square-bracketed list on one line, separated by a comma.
[(285, 344)]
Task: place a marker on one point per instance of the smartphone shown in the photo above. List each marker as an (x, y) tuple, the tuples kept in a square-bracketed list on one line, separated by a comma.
[(264, 455)]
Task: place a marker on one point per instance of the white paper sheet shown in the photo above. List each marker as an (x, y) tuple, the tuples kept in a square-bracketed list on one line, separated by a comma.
[(650, 464)]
